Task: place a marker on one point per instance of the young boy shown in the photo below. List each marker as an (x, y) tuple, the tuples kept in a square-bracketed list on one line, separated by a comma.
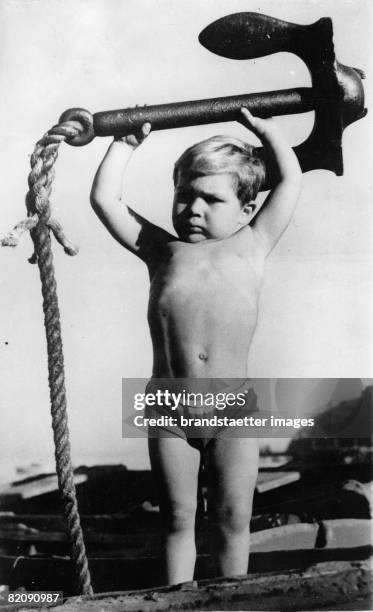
[(204, 290)]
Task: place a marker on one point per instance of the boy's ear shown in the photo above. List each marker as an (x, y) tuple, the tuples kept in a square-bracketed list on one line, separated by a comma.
[(248, 212)]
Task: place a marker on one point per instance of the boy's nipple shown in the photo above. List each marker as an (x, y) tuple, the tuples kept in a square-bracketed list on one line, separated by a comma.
[(202, 356)]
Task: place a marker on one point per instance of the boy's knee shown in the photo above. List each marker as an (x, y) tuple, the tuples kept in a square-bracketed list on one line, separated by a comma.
[(180, 517), (234, 518)]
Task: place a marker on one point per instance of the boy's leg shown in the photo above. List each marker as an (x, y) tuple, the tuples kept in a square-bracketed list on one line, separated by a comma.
[(175, 465), (232, 465)]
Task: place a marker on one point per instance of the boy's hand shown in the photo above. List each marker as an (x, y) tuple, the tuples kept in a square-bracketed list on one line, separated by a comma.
[(259, 127), (135, 140)]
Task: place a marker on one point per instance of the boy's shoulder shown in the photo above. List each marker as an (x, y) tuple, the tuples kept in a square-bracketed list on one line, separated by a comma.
[(247, 244)]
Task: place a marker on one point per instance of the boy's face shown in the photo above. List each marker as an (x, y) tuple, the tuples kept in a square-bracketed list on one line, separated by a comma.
[(207, 207)]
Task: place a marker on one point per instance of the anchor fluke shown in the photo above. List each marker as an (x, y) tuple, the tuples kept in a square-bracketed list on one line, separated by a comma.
[(250, 35)]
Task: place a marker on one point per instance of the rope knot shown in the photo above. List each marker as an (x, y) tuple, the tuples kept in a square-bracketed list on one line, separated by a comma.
[(40, 182)]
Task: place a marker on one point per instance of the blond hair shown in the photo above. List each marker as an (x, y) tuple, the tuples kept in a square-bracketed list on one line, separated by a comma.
[(224, 154)]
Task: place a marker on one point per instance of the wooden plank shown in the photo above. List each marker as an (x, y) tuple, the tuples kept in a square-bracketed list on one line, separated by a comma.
[(20, 534), (40, 485), (274, 461), (273, 480), (344, 533), (304, 587), (137, 520), (37, 486), (322, 584)]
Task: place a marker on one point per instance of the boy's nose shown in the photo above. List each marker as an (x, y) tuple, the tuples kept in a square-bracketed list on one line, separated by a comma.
[(196, 206)]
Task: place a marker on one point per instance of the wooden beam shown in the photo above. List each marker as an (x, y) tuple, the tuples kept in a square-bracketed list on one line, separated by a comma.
[(320, 586), (118, 573), (267, 481), (36, 486), (342, 533)]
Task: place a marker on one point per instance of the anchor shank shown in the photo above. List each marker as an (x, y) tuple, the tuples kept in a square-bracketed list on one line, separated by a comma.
[(199, 112)]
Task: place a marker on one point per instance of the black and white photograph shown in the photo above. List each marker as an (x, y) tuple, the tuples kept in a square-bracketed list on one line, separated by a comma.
[(186, 282)]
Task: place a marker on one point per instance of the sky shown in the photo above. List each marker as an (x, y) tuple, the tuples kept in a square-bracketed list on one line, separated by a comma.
[(315, 311)]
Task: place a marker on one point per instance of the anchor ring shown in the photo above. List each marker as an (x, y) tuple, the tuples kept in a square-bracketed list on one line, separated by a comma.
[(85, 119)]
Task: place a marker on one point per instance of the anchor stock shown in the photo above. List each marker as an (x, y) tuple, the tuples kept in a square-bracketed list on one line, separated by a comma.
[(194, 112)]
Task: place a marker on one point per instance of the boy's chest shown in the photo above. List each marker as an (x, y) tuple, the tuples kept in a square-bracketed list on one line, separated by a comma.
[(206, 271)]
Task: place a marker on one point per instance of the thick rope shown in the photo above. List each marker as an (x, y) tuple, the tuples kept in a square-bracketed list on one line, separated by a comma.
[(42, 160), (37, 202)]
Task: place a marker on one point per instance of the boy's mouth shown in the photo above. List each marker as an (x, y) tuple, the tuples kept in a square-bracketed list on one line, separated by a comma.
[(187, 229), (192, 228)]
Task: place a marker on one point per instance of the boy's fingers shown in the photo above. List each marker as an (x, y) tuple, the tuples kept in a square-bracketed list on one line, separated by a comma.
[(135, 139), (253, 119), (257, 125), (247, 114), (132, 140), (146, 128), (248, 120)]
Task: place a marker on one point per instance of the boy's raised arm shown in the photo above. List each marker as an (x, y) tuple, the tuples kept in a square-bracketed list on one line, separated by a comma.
[(279, 206), (126, 226)]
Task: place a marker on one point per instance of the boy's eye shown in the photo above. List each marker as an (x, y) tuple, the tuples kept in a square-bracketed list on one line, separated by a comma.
[(213, 199), (183, 195)]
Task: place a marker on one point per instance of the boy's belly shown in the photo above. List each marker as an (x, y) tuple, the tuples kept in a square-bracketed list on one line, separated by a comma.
[(201, 327)]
